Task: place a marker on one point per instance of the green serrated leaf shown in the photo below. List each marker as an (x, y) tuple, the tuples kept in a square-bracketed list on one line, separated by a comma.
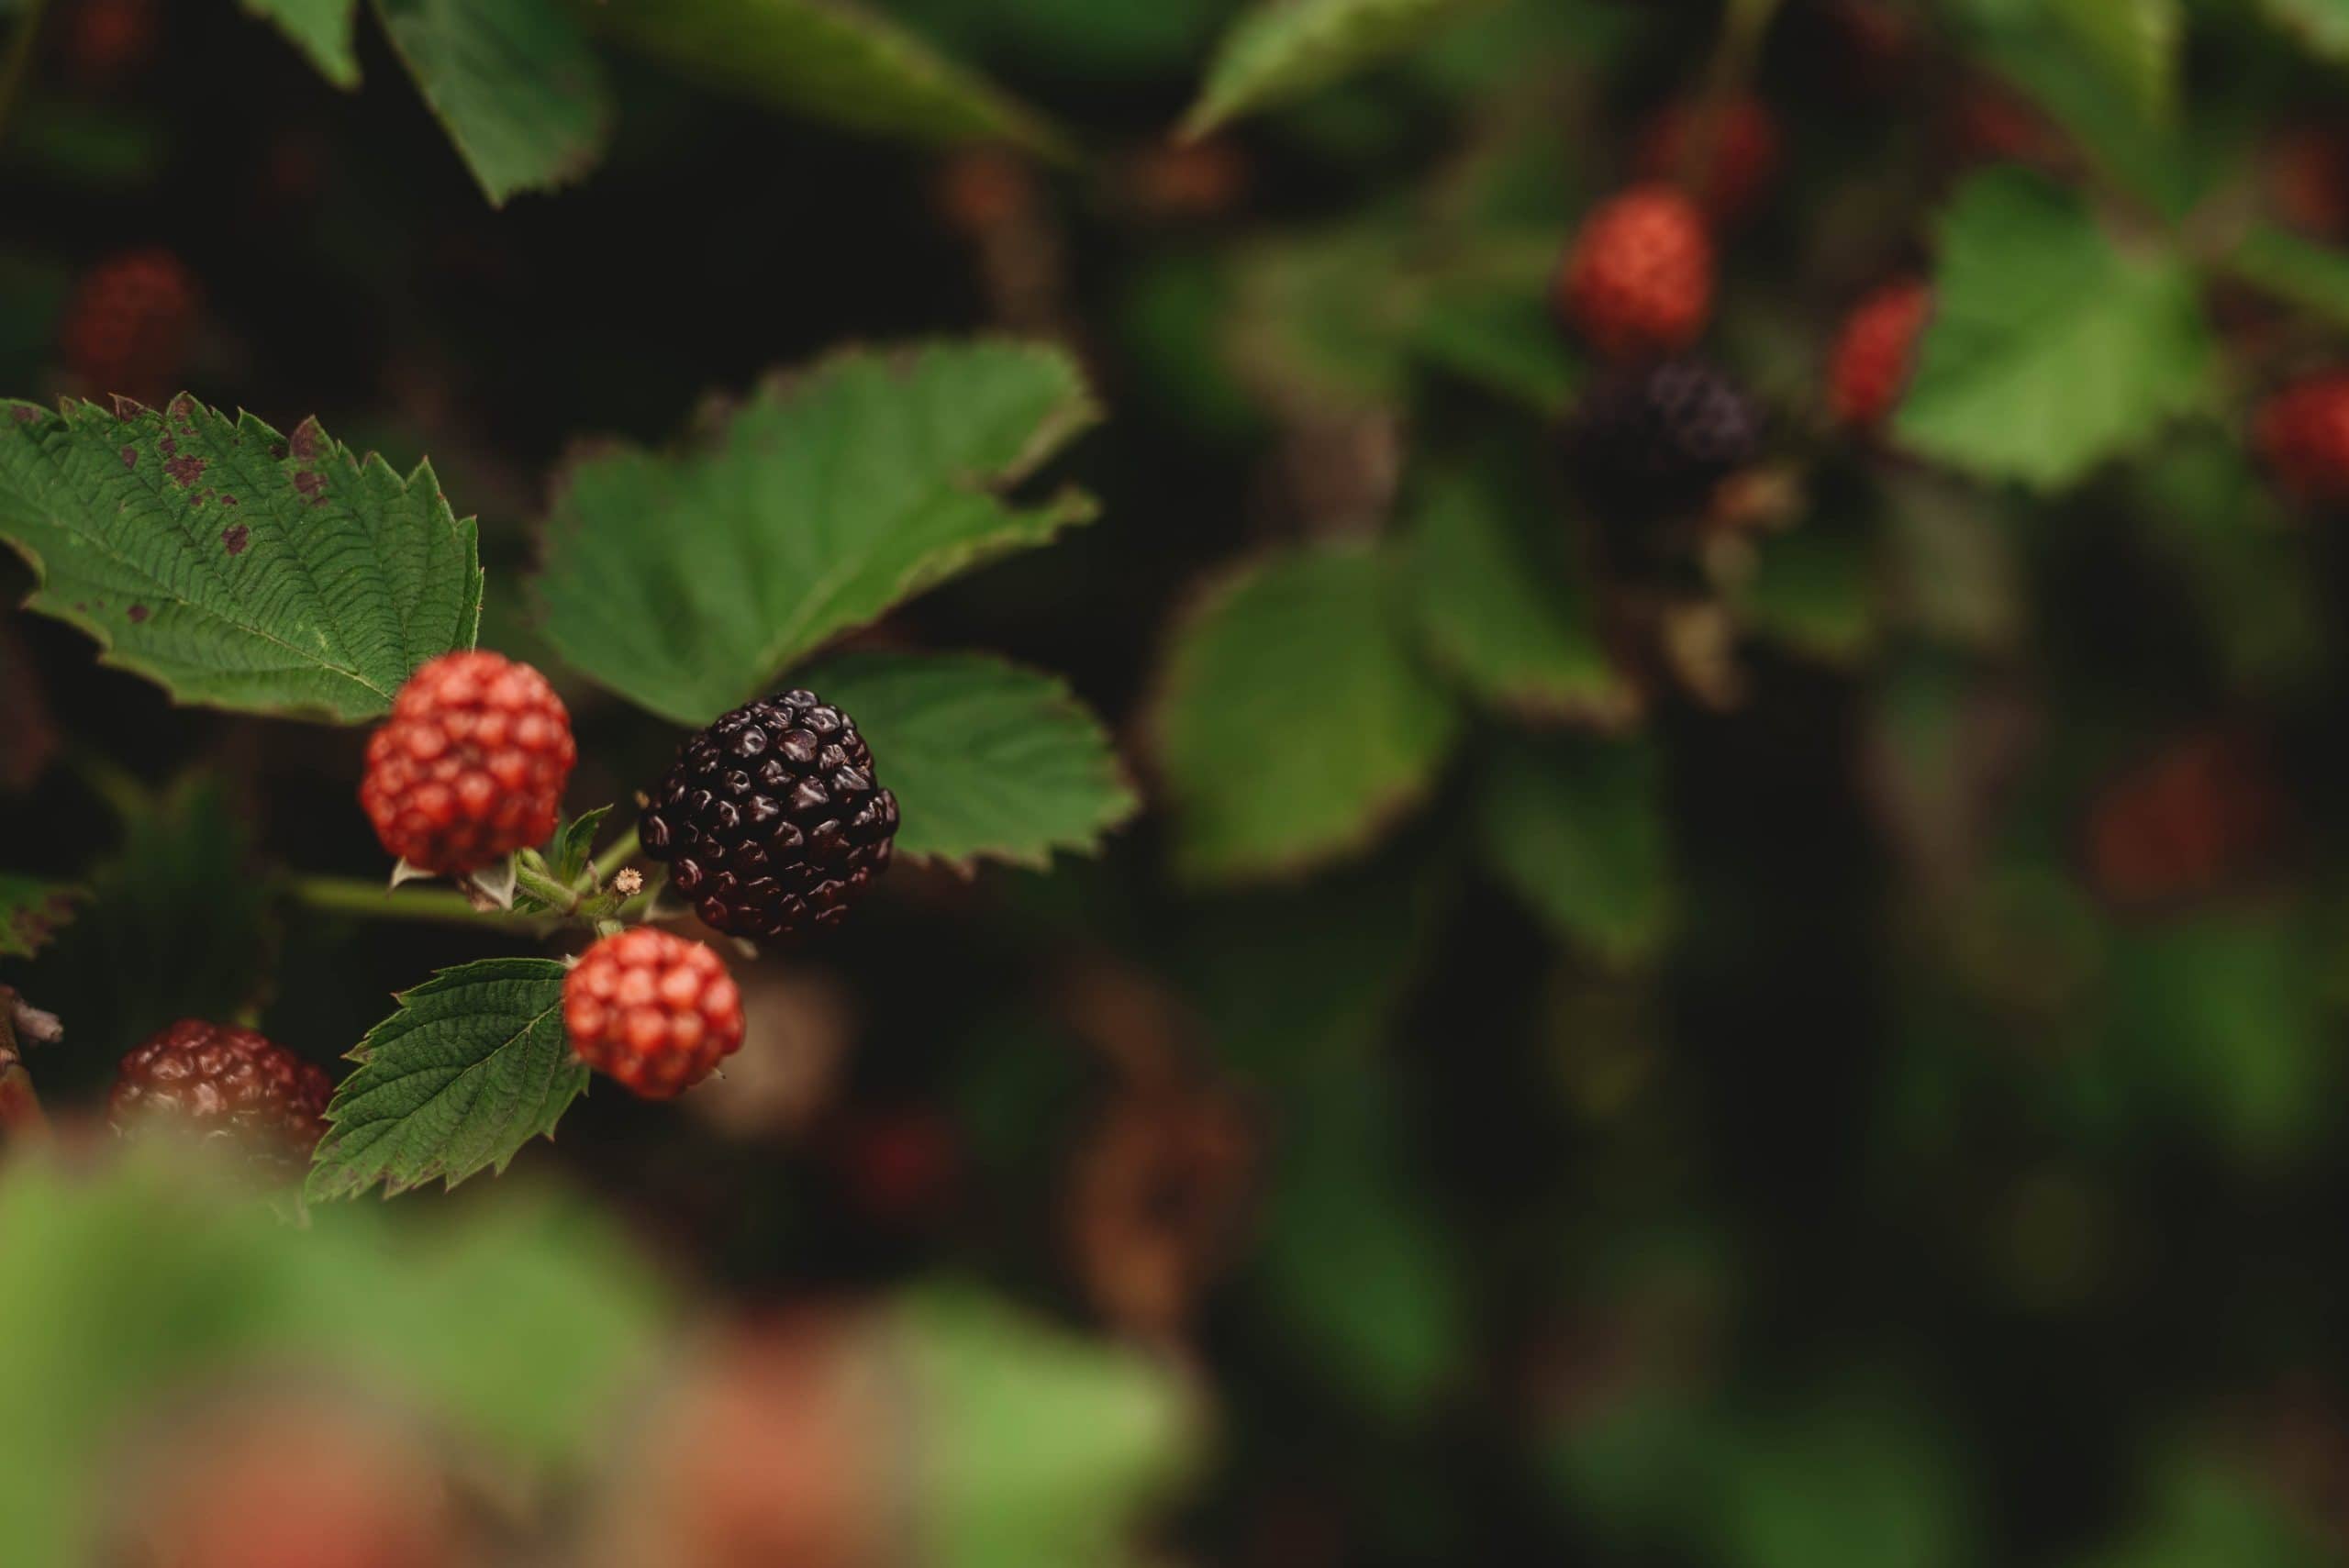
[(1026, 1445), (474, 1065), (830, 60), (1505, 604), (233, 566), (30, 912), (688, 582), (1282, 50), (1576, 828), (988, 761), (1294, 721), (321, 29), (2049, 350), (513, 82)]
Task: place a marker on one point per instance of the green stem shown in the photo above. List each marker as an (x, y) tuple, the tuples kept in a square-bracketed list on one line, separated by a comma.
[(17, 67), (608, 863), (563, 900), (373, 900)]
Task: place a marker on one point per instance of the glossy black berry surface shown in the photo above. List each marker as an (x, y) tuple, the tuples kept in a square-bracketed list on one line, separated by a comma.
[(771, 820)]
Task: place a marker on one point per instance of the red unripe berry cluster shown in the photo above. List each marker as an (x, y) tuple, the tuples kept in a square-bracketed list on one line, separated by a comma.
[(471, 764), (209, 1079), (1639, 277), (127, 325), (1876, 351), (1739, 167), (653, 1010), (2302, 434)]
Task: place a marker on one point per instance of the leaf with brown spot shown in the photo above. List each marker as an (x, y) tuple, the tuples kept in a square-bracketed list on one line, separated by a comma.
[(346, 578)]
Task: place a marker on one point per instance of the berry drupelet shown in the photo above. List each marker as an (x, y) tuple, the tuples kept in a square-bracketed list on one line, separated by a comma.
[(211, 1080), (653, 1010), (471, 764), (771, 820)]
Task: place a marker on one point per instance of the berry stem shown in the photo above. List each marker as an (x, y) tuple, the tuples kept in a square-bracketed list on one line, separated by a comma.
[(352, 895), (554, 894)]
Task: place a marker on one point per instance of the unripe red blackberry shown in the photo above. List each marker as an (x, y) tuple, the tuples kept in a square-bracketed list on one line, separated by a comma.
[(211, 1080), (771, 820), (653, 1010), (1639, 279), (471, 764), (2302, 434), (126, 327), (1875, 352), (1742, 162), (1655, 439)]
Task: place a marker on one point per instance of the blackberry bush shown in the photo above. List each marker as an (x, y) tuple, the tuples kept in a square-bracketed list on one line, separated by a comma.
[(1656, 809)]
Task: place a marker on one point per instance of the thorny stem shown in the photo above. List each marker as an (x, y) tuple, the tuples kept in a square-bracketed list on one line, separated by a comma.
[(585, 898), (17, 66), (355, 895)]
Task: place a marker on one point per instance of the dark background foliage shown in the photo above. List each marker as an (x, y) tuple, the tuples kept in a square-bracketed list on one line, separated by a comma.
[(1915, 1200)]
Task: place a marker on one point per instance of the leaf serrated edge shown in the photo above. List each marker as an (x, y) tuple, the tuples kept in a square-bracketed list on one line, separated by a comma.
[(1219, 106), (1387, 809), (69, 410), (1076, 411), (314, 1190), (1060, 695), (571, 171), (913, 57)]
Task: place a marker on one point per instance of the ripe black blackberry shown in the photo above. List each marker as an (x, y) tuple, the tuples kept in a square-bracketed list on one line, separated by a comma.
[(1653, 440), (771, 820)]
